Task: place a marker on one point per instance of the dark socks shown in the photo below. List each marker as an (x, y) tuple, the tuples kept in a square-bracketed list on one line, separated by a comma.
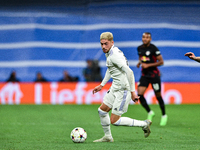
[(162, 105), (144, 103), (146, 106)]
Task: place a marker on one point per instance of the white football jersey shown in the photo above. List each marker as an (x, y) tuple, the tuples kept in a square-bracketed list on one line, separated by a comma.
[(115, 60)]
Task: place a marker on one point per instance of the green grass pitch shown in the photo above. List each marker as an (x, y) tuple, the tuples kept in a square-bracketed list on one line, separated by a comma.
[(48, 127)]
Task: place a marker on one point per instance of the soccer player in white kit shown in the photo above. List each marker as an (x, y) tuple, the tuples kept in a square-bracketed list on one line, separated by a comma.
[(120, 93)]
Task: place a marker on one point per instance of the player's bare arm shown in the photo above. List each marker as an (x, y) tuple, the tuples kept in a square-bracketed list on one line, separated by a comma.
[(159, 62), (97, 89), (192, 56)]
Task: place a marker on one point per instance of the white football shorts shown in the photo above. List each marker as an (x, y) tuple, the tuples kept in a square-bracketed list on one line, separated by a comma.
[(117, 100)]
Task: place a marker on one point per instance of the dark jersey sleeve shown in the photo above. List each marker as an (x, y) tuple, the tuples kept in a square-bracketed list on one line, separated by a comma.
[(138, 50), (156, 50)]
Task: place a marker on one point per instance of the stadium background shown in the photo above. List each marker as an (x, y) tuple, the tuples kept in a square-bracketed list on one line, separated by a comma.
[(52, 36)]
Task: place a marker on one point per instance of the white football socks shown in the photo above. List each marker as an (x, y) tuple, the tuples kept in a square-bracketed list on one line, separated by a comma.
[(105, 122), (139, 123), (125, 121)]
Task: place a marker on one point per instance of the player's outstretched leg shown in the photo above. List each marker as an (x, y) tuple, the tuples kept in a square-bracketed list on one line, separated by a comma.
[(125, 121), (105, 122)]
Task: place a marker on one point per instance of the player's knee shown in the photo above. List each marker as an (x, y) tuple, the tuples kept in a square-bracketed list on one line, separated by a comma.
[(115, 122), (101, 112), (115, 119), (112, 121)]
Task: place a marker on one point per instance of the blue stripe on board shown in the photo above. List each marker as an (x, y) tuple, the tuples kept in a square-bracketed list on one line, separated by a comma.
[(25, 35)]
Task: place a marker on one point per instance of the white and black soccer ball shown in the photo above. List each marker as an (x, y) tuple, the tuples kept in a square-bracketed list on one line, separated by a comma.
[(78, 135)]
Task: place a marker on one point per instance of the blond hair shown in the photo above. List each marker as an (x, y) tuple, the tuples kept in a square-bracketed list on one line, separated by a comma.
[(107, 36)]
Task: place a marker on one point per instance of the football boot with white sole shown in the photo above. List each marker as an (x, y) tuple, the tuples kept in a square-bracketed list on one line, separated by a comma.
[(105, 139)]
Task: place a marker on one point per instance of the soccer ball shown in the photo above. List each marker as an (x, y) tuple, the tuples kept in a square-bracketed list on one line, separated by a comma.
[(78, 135)]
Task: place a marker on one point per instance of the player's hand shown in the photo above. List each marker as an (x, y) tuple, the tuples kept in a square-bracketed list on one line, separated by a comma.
[(144, 65), (138, 64), (134, 97), (190, 55), (97, 89)]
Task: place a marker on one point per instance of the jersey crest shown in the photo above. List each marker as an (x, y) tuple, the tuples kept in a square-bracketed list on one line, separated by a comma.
[(148, 53)]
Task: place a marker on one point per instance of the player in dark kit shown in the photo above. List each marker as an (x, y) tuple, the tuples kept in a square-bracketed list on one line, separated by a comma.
[(149, 58)]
